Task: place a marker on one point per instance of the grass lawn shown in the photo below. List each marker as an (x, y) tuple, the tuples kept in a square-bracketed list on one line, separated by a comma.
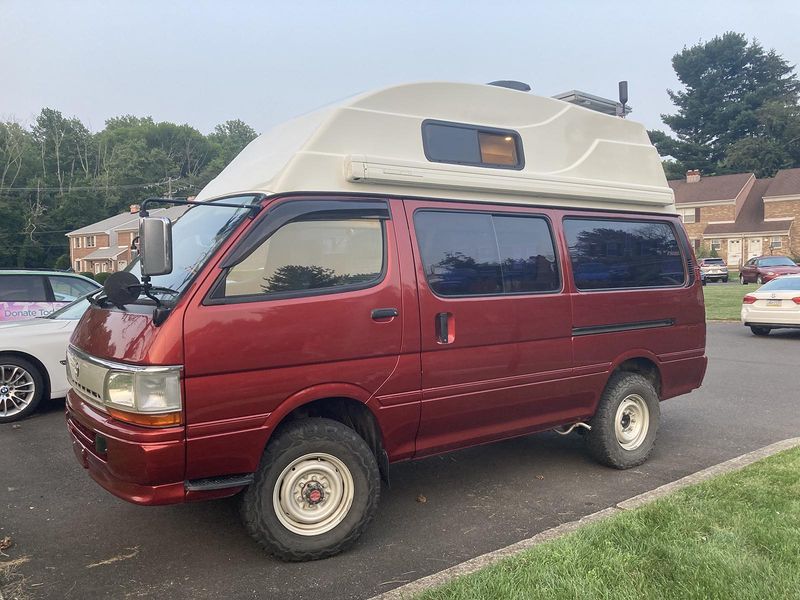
[(724, 300), (733, 537)]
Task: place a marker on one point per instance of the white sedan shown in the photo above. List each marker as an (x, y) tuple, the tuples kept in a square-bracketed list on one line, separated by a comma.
[(32, 355), (774, 305)]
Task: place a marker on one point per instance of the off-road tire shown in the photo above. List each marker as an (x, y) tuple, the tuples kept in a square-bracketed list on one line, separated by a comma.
[(760, 331), (602, 441), (292, 441), (38, 384)]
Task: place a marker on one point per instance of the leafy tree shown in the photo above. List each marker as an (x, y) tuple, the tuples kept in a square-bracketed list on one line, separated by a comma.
[(728, 84), (57, 176)]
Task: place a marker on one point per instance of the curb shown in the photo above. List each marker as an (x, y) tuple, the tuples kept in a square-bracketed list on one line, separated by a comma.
[(475, 564)]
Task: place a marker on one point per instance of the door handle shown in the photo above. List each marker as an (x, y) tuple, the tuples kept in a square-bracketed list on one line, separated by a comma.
[(384, 313), (443, 333)]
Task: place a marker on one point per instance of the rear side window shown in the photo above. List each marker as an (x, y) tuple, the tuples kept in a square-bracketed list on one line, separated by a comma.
[(471, 145), (67, 289), (22, 288), (608, 254), (308, 256), (469, 254)]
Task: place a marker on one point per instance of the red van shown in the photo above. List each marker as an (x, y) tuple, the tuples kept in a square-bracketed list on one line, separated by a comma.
[(384, 281)]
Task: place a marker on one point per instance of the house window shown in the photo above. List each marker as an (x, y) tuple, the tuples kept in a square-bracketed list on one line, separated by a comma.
[(76, 241), (716, 245), (121, 264), (775, 242), (77, 266), (97, 267), (104, 266), (687, 215), (90, 241)]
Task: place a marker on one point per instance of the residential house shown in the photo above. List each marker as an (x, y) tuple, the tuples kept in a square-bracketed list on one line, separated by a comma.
[(105, 246), (740, 217)]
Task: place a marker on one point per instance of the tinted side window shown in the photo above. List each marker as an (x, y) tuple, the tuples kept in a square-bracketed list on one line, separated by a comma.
[(22, 288), (472, 145), (467, 254), (311, 255), (610, 253)]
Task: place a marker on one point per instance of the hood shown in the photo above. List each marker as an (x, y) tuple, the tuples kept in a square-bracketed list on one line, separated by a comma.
[(782, 269), (130, 336), (24, 334)]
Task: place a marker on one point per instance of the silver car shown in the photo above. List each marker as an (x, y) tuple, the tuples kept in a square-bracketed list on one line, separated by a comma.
[(713, 269)]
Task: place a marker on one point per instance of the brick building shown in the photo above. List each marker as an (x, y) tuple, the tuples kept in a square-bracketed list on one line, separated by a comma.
[(105, 246), (739, 216)]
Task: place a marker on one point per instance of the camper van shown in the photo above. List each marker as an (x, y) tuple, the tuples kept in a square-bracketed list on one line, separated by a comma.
[(408, 272)]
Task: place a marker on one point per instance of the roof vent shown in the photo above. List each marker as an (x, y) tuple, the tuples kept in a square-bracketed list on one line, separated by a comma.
[(512, 85)]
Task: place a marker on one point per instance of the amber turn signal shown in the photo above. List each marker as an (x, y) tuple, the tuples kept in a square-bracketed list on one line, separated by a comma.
[(147, 420)]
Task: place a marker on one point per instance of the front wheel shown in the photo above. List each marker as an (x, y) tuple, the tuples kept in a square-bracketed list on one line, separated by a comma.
[(759, 330), (724, 280), (21, 388), (315, 492), (741, 280), (626, 422), (760, 280)]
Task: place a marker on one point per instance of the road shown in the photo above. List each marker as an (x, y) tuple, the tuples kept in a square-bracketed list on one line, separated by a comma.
[(83, 543)]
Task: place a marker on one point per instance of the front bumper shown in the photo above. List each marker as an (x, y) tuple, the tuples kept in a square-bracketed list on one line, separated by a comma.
[(137, 464)]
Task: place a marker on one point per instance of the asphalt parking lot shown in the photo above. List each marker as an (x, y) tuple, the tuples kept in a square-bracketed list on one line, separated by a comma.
[(83, 543)]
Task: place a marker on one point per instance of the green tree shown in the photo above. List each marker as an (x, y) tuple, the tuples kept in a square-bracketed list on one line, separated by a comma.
[(727, 83)]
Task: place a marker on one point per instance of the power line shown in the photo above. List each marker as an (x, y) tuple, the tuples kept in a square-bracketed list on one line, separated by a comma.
[(84, 188)]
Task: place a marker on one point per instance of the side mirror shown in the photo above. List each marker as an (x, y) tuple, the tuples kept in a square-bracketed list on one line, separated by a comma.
[(155, 246)]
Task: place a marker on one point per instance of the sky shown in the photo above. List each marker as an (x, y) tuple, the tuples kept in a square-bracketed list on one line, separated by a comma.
[(203, 63)]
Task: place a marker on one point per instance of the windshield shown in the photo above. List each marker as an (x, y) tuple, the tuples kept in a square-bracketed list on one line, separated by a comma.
[(72, 311), (781, 284), (712, 261), (776, 261), (195, 236)]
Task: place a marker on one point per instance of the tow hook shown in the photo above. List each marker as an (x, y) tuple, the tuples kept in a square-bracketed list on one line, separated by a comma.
[(567, 430)]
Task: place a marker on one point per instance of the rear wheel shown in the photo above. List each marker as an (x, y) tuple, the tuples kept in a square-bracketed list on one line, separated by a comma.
[(21, 388), (315, 492), (759, 330), (626, 422), (724, 280), (741, 280)]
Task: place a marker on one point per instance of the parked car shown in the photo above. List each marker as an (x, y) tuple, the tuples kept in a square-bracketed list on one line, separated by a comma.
[(775, 305), (764, 268), (32, 357), (382, 281), (31, 294), (713, 269)]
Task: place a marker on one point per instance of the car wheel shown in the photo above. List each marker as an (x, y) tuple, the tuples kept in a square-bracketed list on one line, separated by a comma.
[(759, 330), (759, 280), (741, 280), (626, 422), (21, 388), (724, 280), (315, 492)]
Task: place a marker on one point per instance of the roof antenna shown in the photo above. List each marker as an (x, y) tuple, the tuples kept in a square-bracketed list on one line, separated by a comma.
[(520, 86), (623, 99)]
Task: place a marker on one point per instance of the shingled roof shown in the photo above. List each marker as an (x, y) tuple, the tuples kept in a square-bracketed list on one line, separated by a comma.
[(716, 188), (751, 216), (785, 183)]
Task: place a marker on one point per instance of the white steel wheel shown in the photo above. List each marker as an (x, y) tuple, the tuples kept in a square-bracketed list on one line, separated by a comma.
[(17, 390), (313, 494), (632, 422)]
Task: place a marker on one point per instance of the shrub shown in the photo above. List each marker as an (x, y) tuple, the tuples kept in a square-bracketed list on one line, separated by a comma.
[(101, 277), (88, 274)]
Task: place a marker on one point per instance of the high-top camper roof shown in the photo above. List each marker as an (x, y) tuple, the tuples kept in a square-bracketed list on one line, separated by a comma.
[(373, 143)]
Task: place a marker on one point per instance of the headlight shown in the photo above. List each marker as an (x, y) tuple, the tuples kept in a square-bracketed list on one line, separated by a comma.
[(770, 273), (149, 397)]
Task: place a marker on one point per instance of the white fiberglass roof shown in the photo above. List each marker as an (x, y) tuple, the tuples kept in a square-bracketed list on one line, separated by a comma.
[(372, 143)]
